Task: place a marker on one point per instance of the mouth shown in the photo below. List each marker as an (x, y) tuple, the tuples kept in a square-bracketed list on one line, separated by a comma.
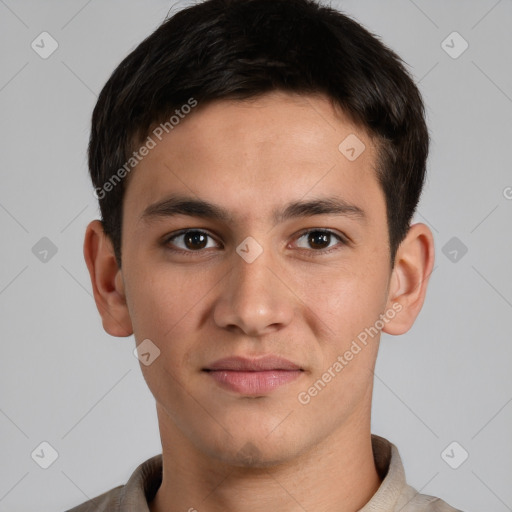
[(253, 377)]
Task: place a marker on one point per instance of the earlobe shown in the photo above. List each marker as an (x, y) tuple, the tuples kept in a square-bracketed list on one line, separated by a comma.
[(107, 281), (408, 286)]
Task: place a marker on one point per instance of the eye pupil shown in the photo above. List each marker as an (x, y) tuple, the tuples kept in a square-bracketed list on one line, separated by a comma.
[(318, 238), (195, 240)]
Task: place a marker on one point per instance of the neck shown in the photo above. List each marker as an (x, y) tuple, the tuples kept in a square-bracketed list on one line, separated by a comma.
[(337, 475)]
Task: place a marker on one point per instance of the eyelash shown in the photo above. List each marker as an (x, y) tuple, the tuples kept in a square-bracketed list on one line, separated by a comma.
[(342, 240)]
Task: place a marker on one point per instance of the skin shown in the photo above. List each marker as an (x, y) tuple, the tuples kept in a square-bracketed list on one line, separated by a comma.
[(226, 451)]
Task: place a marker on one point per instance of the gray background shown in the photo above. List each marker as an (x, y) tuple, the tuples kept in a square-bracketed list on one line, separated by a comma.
[(66, 382)]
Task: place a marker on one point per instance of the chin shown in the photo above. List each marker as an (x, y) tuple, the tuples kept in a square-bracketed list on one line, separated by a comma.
[(253, 453)]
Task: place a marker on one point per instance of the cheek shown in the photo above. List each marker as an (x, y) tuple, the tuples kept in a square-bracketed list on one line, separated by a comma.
[(345, 307), (345, 299), (165, 306), (163, 302)]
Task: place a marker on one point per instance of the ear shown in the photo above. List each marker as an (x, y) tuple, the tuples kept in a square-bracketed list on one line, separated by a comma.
[(408, 283), (107, 281)]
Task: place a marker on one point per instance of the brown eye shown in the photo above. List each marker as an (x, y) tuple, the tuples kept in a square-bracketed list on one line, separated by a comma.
[(191, 240), (195, 240), (318, 239)]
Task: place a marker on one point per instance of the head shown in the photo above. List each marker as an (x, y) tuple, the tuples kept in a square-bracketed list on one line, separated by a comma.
[(229, 49), (244, 108)]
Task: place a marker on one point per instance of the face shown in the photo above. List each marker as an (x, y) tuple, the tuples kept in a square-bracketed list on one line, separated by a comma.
[(254, 256)]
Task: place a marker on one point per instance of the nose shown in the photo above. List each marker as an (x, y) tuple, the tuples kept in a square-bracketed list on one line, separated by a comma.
[(253, 300)]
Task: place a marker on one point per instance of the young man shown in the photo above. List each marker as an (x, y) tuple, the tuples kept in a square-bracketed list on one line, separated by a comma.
[(257, 165)]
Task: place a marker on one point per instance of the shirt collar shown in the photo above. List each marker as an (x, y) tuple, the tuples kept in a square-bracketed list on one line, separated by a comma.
[(391, 472)]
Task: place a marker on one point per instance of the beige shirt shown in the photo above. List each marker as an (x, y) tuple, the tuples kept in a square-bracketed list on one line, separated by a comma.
[(393, 495)]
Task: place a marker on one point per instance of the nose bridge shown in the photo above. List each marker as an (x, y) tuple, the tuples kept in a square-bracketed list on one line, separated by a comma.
[(252, 277), (252, 299)]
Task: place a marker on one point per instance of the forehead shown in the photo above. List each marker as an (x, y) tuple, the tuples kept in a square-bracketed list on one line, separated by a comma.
[(250, 154)]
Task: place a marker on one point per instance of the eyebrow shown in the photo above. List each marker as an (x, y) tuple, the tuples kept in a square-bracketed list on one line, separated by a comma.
[(183, 205)]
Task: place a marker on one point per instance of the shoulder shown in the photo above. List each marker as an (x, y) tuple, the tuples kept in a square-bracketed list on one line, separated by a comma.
[(395, 494), (133, 496), (108, 501), (412, 501)]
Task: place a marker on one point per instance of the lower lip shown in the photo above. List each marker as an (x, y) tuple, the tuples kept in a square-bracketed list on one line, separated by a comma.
[(255, 382)]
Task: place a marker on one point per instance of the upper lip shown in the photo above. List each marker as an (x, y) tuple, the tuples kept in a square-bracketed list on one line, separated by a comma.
[(241, 364)]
